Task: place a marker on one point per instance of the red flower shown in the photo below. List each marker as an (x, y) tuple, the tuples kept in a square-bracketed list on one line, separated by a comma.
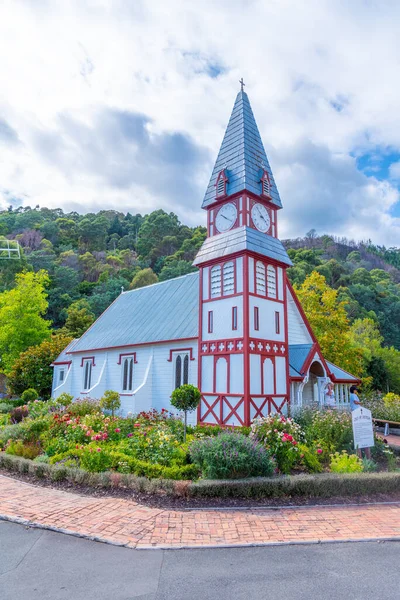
[(136, 425), (117, 430), (319, 451)]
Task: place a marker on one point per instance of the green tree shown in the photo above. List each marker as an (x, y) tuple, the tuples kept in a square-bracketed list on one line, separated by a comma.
[(110, 401), (328, 319), (176, 268), (79, 318), (186, 397), (21, 317), (32, 369), (143, 278)]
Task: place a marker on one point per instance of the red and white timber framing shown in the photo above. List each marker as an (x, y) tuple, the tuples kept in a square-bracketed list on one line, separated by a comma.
[(227, 407)]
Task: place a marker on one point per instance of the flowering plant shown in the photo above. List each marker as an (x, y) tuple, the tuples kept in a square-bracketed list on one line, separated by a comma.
[(281, 436)]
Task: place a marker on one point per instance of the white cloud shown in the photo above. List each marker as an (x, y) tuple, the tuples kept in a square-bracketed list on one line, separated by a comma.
[(321, 78)]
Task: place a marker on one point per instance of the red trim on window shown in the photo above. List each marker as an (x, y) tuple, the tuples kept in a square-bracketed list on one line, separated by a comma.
[(234, 318), (179, 350), (264, 177), (256, 319), (85, 358), (66, 362), (221, 175), (121, 356), (210, 321)]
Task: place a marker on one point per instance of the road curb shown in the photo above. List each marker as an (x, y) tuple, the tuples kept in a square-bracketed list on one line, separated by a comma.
[(137, 546)]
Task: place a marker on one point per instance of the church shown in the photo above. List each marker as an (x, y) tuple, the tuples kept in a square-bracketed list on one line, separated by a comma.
[(234, 328)]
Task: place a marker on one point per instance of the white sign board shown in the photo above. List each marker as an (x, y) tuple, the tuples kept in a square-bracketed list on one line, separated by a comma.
[(362, 428)]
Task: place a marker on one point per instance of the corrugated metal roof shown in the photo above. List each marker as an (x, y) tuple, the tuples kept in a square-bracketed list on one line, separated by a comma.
[(297, 356), (64, 357), (160, 312), (339, 374), (239, 239), (242, 154)]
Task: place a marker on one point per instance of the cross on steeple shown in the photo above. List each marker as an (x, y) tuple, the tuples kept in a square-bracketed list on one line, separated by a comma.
[(242, 84)]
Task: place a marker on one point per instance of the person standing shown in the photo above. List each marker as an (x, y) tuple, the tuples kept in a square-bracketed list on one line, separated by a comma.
[(354, 399), (330, 401)]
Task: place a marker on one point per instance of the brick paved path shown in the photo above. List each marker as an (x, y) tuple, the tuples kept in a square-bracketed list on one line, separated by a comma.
[(126, 522)]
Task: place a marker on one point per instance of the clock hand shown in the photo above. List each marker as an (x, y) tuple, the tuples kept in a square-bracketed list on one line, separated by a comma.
[(261, 215), (224, 217)]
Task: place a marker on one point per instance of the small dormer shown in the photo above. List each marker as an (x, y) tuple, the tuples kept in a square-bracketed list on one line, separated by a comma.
[(221, 183), (265, 185)]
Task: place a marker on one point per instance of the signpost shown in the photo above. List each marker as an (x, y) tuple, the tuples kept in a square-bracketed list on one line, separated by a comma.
[(363, 433)]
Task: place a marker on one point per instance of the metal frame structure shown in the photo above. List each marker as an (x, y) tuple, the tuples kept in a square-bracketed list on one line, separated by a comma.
[(9, 249)]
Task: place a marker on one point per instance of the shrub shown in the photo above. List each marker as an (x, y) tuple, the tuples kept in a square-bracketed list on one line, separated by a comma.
[(6, 407), (331, 429), (18, 414), (65, 399), (84, 406), (110, 401), (309, 458), (186, 398), (29, 395), (230, 456), (280, 436), (345, 463), (28, 450), (369, 465), (391, 400), (95, 458)]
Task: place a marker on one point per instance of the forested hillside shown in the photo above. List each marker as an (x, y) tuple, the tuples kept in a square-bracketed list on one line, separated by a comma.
[(84, 261)]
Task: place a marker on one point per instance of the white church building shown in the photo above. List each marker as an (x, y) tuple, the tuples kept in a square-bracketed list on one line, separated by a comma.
[(234, 328)]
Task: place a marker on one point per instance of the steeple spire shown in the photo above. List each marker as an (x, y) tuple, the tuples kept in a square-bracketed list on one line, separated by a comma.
[(242, 155)]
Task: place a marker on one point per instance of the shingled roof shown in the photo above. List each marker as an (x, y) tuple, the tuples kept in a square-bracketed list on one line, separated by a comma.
[(242, 155)]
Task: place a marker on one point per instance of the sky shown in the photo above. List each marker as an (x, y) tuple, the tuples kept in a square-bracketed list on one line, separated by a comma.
[(122, 104)]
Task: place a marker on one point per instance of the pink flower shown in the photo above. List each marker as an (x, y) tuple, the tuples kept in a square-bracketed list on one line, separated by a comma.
[(117, 430), (88, 433), (136, 425), (319, 451), (98, 449), (129, 435)]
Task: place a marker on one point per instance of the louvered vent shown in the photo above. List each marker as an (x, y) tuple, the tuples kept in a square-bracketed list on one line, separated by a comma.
[(221, 186), (215, 282), (260, 278), (266, 187), (271, 275), (229, 278)]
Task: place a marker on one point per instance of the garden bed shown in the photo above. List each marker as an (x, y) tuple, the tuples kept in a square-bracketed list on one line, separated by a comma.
[(286, 490)]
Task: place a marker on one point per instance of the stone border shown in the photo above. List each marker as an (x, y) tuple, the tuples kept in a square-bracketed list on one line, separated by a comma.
[(326, 485)]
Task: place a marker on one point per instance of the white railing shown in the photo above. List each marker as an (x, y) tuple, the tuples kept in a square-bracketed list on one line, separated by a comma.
[(9, 249)]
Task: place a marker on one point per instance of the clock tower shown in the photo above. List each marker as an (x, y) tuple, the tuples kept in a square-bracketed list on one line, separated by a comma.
[(243, 324)]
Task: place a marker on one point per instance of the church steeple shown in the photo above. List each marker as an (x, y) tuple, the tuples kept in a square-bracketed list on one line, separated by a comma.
[(242, 158)]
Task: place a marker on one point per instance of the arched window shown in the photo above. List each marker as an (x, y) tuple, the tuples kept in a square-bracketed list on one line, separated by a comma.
[(186, 369), (229, 278), (127, 374), (265, 185), (222, 180), (221, 376), (271, 278), (87, 375), (178, 371), (181, 369), (260, 278), (215, 281)]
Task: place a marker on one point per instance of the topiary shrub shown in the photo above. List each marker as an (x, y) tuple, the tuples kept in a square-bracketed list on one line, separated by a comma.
[(230, 455), (29, 395), (110, 401), (186, 398)]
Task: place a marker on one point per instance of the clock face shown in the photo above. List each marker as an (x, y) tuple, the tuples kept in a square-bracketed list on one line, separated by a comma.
[(261, 218), (226, 217)]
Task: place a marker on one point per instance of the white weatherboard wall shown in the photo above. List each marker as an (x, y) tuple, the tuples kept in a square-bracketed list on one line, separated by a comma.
[(153, 376), (222, 318), (266, 313), (298, 332)]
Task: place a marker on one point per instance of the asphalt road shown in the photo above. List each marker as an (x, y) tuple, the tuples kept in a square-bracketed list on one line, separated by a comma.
[(42, 565)]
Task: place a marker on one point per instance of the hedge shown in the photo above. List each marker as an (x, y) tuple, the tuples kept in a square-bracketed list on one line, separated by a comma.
[(326, 485)]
